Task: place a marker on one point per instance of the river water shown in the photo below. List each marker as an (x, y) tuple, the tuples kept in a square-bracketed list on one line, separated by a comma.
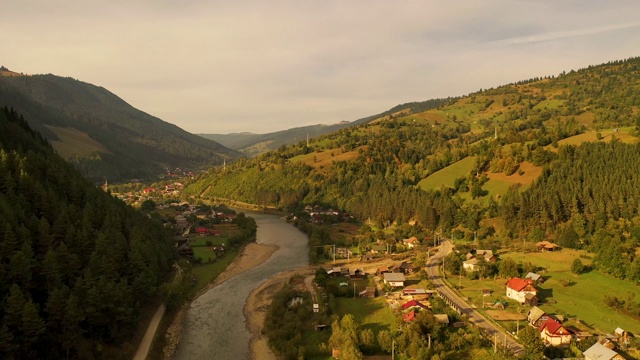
[(215, 326)]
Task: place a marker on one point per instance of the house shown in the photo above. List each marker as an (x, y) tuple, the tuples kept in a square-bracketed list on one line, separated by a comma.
[(601, 352), (185, 251), (410, 316), (554, 333), (334, 272), (394, 279), (368, 293), (406, 268), (382, 270), (416, 293), (545, 246), (471, 265), (411, 242), (621, 335), (413, 304), (378, 249), (522, 291), (536, 317), (356, 274), (488, 255), (202, 231), (537, 279), (366, 257)]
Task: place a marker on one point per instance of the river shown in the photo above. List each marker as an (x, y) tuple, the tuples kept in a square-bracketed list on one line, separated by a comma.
[(215, 326)]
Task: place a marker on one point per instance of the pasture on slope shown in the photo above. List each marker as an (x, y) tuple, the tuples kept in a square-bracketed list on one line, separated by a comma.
[(447, 176), (580, 296)]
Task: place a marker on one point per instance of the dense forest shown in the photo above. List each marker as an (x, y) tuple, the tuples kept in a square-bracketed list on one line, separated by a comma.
[(585, 197), (126, 143), (76, 264)]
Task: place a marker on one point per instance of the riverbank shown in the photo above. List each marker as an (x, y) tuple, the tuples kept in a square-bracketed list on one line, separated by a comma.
[(252, 255), (257, 305)]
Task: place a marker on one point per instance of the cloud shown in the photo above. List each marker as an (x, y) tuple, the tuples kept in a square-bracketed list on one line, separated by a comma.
[(561, 35), (226, 66)]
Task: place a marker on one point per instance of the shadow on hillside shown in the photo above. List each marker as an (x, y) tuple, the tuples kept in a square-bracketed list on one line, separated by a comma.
[(545, 295)]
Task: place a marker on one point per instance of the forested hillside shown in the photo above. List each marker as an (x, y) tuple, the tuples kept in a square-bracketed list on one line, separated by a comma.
[(102, 135), (373, 171), (253, 144), (76, 265)]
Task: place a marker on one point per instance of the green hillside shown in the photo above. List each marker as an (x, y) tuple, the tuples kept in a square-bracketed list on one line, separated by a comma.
[(253, 144), (77, 266), (391, 169), (102, 135)]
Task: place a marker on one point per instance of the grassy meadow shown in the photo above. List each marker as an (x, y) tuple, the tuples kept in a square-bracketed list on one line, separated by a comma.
[(447, 176), (580, 296)]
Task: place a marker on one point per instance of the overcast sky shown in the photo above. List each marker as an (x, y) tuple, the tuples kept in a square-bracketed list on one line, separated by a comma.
[(263, 66)]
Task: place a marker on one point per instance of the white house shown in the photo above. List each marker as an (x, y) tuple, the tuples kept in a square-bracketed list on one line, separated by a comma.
[(554, 334), (394, 279), (411, 242), (522, 291)]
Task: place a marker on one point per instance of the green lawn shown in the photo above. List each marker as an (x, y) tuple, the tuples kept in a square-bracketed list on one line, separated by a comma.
[(584, 296), (549, 104), (202, 240), (498, 187), (372, 314), (206, 273), (447, 176)]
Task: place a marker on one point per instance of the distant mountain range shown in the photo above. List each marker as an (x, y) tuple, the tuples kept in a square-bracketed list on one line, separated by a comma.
[(252, 144), (101, 134)]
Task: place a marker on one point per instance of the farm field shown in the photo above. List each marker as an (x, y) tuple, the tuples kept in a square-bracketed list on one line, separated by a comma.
[(447, 176), (623, 134)]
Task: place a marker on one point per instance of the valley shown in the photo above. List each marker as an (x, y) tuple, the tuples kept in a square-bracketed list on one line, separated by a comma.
[(495, 225)]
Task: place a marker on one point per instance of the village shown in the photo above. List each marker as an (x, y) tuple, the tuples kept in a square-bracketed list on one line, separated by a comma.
[(380, 271), (400, 279)]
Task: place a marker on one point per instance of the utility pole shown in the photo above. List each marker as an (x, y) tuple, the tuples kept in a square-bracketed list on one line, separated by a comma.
[(393, 349), (429, 334)]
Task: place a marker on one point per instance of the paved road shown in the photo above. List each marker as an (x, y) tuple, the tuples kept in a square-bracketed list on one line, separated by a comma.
[(474, 316)]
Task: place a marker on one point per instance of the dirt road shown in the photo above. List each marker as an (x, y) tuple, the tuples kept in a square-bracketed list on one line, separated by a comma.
[(145, 345)]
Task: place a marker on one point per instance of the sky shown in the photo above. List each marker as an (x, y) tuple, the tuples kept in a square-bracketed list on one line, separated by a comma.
[(222, 67)]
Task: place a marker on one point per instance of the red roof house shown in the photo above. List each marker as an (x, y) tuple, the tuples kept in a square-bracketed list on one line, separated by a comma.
[(522, 290), (554, 333), (202, 231), (413, 304), (408, 317)]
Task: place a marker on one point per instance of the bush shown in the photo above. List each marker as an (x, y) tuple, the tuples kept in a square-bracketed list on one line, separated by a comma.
[(577, 266)]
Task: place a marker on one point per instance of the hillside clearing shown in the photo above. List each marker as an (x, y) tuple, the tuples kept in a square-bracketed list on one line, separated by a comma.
[(447, 176), (74, 142), (321, 161), (623, 134), (530, 173)]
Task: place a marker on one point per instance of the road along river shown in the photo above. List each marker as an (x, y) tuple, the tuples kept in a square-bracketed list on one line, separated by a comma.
[(215, 326)]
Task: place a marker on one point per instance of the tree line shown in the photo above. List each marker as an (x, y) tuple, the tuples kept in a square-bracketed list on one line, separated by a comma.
[(76, 264)]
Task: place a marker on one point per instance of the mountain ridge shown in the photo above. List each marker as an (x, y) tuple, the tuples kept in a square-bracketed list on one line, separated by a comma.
[(139, 145)]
